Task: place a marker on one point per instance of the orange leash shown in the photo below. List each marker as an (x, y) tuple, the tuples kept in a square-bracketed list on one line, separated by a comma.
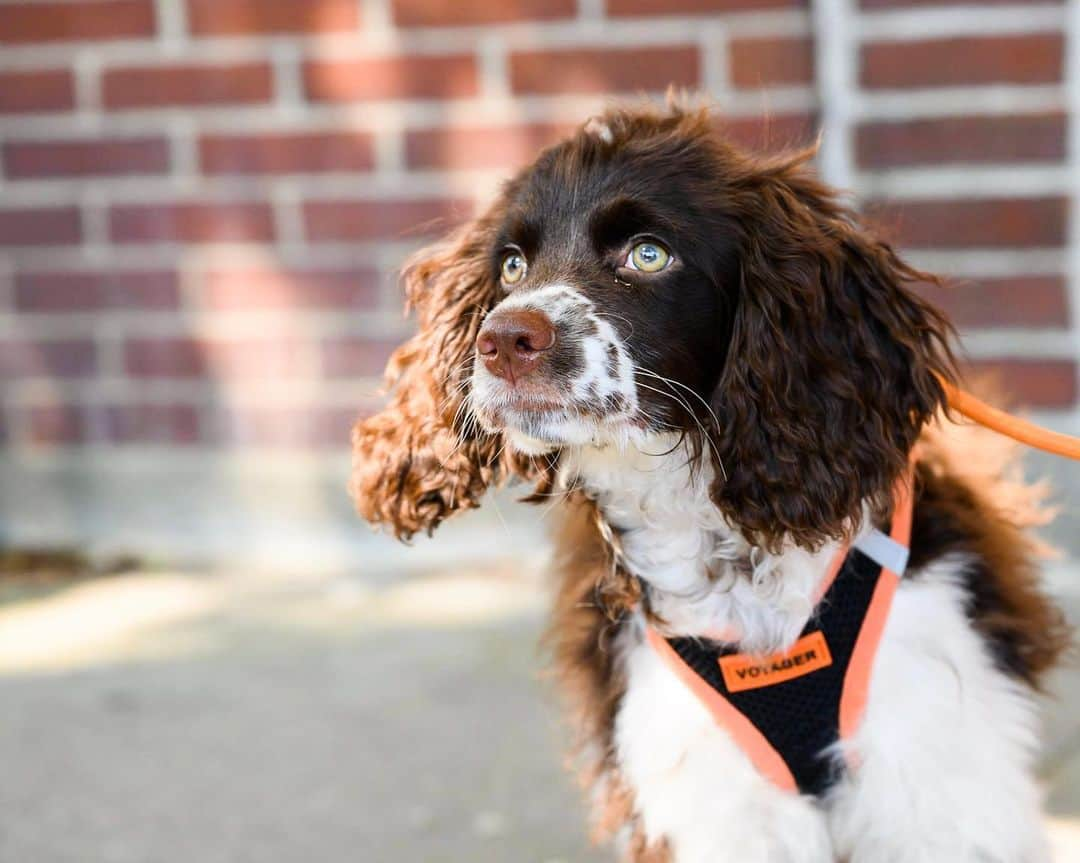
[(1010, 426)]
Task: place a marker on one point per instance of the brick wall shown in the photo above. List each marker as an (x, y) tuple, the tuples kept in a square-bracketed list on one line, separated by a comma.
[(203, 203), (959, 145)]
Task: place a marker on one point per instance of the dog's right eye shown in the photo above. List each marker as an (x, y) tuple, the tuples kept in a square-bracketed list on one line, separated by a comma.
[(514, 267), (648, 257)]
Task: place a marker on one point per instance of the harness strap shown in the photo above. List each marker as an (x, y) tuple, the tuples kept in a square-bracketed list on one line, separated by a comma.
[(857, 680)]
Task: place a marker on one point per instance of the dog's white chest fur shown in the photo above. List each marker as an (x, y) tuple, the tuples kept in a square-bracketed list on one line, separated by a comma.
[(945, 746)]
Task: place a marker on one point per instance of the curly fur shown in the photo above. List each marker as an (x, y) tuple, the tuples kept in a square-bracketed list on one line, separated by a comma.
[(836, 361), (420, 459)]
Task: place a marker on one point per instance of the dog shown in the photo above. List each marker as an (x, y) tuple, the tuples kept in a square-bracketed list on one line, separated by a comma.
[(798, 619)]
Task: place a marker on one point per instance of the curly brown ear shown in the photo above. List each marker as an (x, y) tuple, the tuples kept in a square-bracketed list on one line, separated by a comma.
[(418, 460), (830, 373)]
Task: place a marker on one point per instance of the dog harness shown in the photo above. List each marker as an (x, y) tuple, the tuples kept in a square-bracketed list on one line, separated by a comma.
[(786, 710)]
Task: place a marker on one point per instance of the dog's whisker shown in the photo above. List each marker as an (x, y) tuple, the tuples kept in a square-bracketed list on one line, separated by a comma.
[(693, 415)]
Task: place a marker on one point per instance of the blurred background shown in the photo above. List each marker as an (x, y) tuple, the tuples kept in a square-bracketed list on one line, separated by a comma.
[(203, 206)]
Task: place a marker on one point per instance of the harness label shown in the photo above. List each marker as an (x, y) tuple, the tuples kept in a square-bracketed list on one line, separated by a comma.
[(742, 671)]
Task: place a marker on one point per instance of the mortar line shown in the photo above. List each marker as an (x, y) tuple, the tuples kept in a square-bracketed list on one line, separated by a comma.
[(834, 70), (1072, 88)]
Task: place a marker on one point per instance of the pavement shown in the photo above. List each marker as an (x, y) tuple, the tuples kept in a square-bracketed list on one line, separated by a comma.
[(190, 716)]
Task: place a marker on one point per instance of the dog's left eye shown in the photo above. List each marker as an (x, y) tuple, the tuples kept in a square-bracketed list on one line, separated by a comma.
[(648, 258), (514, 267)]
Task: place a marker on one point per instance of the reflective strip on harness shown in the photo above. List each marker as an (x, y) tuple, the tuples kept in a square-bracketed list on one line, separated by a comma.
[(884, 550)]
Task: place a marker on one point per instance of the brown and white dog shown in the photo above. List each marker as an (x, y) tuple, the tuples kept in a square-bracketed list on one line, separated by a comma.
[(725, 375)]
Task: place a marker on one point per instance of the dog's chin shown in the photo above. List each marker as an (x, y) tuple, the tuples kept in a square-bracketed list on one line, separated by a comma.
[(528, 445), (540, 432)]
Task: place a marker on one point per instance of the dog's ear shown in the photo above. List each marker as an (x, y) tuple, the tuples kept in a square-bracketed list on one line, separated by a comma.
[(419, 460), (831, 369)]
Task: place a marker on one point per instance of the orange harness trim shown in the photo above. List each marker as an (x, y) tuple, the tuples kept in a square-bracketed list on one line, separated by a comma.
[(809, 654), (857, 680)]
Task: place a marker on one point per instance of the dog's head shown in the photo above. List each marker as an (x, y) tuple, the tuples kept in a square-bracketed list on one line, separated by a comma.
[(641, 277)]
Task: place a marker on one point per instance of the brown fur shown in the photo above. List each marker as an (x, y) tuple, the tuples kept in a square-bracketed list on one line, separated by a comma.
[(972, 499), (583, 621), (834, 366), (593, 600)]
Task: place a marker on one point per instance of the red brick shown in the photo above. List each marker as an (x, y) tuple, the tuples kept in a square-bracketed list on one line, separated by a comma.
[(697, 7), (137, 423), (172, 423), (771, 62), (95, 291), (191, 223), (1028, 301), (413, 77), (58, 358), (439, 13), (86, 157), (1031, 59), (604, 70), (186, 85), (976, 222), (239, 289), (479, 147), (1035, 138), (253, 17), (381, 220), (259, 359), (309, 426), (23, 23), (355, 356), (55, 425), (36, 92), (777, 133), (1031, 383), (47, 226), (287, 153), (166, 357)]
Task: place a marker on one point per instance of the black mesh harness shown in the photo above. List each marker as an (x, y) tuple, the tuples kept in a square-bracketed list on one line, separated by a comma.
[(786, 711)]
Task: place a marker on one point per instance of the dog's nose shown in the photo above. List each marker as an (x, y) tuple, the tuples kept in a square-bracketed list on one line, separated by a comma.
[(512, 342)]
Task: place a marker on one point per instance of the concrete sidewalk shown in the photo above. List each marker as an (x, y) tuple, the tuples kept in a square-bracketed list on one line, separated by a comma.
[(176, 718)]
